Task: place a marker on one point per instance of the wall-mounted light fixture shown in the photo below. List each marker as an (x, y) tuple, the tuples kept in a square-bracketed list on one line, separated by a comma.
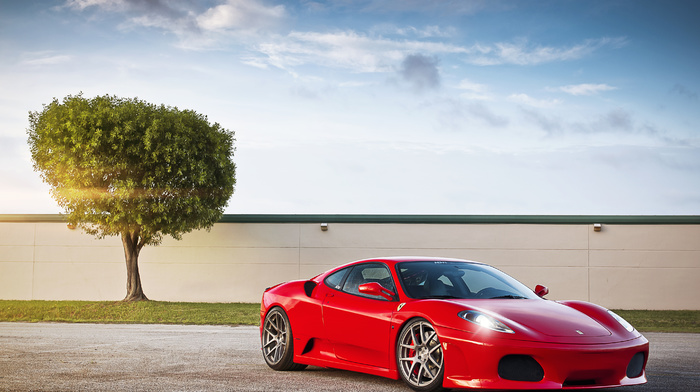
[(324, 226), (597, 226)]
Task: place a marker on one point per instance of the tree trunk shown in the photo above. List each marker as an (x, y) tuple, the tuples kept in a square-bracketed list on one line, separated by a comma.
[(132, 248)]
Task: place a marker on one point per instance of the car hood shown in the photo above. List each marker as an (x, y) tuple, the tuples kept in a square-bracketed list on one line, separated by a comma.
[(546, 317)]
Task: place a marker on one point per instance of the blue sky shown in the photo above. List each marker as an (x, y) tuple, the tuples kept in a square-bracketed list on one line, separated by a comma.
[(387, 107)]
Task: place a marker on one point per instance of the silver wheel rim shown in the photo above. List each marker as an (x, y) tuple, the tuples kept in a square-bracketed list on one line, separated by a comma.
[(420, 354), (274, 337)]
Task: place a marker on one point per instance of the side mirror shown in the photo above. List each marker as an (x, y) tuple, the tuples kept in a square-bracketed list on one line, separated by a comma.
[(541, 291), (376, 289)]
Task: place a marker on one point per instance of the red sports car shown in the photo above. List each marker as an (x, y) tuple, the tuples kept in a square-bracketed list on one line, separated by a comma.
[(447, 323)]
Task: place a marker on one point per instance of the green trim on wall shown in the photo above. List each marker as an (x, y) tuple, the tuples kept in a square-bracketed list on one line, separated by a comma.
[(420, 219), (467, 219)]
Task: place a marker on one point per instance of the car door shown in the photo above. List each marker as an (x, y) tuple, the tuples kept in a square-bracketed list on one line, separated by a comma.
[(357, 324)]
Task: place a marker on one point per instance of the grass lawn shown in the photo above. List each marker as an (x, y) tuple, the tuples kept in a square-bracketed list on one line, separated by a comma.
[(144, 312), (663, 320), (155, 312)]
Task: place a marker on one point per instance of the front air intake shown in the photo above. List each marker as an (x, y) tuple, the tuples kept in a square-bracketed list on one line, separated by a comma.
[(520, 368), (636, 366)]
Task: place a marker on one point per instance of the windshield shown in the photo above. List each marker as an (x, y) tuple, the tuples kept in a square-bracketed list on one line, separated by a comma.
[(454, 279)]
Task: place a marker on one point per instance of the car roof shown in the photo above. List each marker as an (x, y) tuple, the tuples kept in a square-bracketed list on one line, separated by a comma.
[(391, 262), (399, 259), (418, 258)]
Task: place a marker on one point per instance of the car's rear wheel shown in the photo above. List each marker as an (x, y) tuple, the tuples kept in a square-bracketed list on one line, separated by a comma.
[(278, 342), (419, 356)]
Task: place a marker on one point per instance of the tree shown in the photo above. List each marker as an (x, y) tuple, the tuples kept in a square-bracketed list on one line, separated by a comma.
[(125, 167)]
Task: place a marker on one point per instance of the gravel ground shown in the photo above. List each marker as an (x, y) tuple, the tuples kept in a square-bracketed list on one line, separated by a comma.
[(89, 357)]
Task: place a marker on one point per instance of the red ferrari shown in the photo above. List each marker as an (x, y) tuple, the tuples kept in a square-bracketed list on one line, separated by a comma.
[(447, 323)]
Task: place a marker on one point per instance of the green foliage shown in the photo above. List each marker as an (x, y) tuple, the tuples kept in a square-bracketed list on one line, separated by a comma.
[(120, 165), (143, 312)]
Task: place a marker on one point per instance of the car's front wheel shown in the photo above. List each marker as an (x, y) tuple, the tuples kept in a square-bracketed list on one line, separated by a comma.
[(278, 342), (419, 356)]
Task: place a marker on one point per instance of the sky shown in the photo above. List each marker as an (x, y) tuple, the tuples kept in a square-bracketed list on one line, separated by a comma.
[(386, 107)]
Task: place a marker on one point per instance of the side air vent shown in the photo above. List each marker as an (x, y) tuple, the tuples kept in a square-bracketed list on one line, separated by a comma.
[(520, 368), (309, 287), (309, 346)]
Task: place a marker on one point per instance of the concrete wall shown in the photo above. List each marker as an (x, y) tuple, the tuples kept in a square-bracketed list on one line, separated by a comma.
[(628, 266)]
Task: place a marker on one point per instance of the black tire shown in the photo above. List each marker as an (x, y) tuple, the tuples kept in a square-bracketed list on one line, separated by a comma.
[(419, 356), (277, 341)]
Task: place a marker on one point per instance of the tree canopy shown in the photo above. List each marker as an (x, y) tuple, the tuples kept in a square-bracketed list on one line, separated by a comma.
[(123, 166)]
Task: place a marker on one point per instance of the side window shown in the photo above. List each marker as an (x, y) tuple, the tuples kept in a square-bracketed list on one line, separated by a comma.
[(335, 280), (367, 273)]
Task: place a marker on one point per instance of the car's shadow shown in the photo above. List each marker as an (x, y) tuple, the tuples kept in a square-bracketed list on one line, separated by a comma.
[(661, 381)]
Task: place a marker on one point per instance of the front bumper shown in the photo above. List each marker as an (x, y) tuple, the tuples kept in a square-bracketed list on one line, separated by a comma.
[(475, 364)]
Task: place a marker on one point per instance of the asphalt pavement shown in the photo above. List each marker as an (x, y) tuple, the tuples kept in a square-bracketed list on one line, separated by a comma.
[(90, 357)]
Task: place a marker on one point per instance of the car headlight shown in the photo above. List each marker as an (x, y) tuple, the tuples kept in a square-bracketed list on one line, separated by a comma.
[(622, 321), (485, 321)]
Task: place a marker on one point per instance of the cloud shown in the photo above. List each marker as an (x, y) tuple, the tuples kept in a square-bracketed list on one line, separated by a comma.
[(479, 111), (617, 119), (308, 92), (110, 5), (482, 112), (525, 99), (611, 126), (160, 9), (241, 15), (522, 53), (44, 58), (472, 117), (195, 25), (551, 125), (256, 25), (684, 92), (364, 53), (440, 7), (621, 122), (431, 31), (421, 72), (474, 91), (344, 49), (175, 17), (584, 89)]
